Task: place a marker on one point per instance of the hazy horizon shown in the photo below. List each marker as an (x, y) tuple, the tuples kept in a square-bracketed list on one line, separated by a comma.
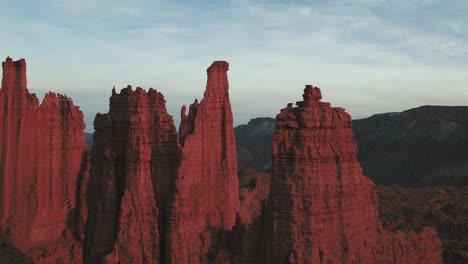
[(368, 56)]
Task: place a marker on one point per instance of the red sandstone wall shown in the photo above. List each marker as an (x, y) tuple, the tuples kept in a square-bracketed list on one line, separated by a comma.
[(206, 197), (321, 209), (150, 195), (41, 153)]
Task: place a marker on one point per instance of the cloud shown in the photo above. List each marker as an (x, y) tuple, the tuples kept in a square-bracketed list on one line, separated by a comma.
[(368, 56)]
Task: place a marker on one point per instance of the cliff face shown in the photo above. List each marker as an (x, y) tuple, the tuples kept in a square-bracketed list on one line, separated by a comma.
[(206, 198), (132, 171), (192, 178), (150, 195), (38, 178), (321, 208), (19, 129), (254, 188)]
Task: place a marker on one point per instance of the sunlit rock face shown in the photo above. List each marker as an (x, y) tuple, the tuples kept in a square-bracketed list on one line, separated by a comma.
[(41, 153), (321, 208), (133, 167), (206, 198)]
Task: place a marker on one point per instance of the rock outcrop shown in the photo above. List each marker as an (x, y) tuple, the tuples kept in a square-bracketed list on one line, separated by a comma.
[(134, 162), (321, 208), (147, 194), (254, 188), (41, 154), (442, 207), (206, 197), (193, 178)]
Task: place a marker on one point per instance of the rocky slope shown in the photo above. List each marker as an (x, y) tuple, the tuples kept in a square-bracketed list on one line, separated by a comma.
[(254, 188), (427, 145), (254, 144), (38, 178), (321, 208), (444, 208)]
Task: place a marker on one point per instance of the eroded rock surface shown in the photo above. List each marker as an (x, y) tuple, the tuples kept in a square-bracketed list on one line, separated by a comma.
[(254, 188), (41, 154), (321, 209), (441, 207), (206, 197), (147, 194), (135, 157)]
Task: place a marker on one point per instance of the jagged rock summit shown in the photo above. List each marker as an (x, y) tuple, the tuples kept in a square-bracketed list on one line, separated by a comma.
[(134, 159), (41, 153), (321, 208), (147, 194), (192, 198), (206, 196)]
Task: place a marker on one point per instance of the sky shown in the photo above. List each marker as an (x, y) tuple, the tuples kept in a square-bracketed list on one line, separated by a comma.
[(368, 56)]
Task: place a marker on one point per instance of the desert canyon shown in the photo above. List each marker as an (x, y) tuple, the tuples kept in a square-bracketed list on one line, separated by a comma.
[(148, 192)]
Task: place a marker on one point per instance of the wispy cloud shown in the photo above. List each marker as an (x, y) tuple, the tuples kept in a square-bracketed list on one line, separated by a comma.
[(367, 55)]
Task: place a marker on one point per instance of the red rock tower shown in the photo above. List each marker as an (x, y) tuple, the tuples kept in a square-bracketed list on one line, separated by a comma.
[(17, 148), (41, 153), (206, 197), (321, 209), (134, 164)]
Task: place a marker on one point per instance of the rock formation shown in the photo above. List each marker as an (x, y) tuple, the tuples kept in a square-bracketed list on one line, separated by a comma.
[(19, 129), (321, 209), (193, 183), (134, 161), (147, 194), (254, 188), (38, 178), (206, 197), (442, 207)]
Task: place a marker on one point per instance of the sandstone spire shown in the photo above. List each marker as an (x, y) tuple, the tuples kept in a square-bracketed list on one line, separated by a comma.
[(41, 153), (321, 209), (135, 158), (206, 197)]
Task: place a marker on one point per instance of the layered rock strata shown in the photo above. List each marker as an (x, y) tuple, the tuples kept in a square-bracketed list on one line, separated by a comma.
[(321, 209), (41, 153), (135, 157), (206, 198)]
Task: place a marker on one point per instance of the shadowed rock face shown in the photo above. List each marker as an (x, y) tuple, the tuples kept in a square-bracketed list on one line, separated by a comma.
[(193, 178), (444, 208), (254, 188), (135, 157), (321, 208), (38, 178), (427, 145), (206, 198), (254, 144)]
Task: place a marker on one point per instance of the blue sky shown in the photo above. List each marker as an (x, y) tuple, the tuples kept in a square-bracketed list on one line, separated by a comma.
[(368, 56)]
